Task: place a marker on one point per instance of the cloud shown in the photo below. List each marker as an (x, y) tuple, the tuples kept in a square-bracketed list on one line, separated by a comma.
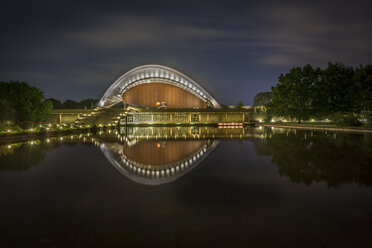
[(313, 33), (212, 42), (128, 32), (276, 35)]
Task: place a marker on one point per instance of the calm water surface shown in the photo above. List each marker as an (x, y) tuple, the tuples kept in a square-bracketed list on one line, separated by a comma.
[(188, 187)]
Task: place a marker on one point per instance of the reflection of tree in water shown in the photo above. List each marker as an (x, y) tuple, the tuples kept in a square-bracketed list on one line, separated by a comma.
[(22, 157), (321, 157)]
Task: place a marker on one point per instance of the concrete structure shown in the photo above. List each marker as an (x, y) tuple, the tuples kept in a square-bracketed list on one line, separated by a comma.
[(67, 116), (133, 116), (152, 85), (187, 117)]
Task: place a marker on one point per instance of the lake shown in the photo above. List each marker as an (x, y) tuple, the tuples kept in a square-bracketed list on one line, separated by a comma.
[(188, 187)]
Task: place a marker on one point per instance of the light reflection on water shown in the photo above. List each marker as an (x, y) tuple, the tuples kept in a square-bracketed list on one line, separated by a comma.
[(157, 155), (183, 187)]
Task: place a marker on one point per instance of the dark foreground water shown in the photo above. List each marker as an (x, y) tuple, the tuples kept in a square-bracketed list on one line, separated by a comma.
[(183, 187)]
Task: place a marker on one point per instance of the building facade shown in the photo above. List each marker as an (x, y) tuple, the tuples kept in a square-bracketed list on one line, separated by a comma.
[(157, 86)]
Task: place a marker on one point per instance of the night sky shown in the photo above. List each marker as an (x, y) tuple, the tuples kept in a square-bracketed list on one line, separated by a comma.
[(235, 49)]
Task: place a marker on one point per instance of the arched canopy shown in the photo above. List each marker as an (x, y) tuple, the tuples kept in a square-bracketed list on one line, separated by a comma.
[(150, 74)]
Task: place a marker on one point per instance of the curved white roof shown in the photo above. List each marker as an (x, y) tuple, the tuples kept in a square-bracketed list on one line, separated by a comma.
[(150, 74)]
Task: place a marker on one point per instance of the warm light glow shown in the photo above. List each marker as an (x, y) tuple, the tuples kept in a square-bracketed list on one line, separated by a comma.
[(158, 145), (161, 74), (9, 130)]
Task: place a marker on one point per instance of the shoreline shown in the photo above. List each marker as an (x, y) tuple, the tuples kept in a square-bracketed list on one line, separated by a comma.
[(21, 137), (320, 128)]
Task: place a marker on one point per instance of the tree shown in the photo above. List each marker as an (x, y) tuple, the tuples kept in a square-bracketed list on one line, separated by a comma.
[(338, 92), (239, 105), (262, 98), (335, 92), (44, 109), (88, 103), (363, 86), (70, 104), (57, 104), (293, 96), (7, 112), (24, 103)]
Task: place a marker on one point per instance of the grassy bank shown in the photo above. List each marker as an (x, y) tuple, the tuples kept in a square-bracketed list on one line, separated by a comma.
[(318, 126), (14, 132)]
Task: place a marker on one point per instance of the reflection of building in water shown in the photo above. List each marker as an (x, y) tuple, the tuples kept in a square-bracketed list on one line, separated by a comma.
[(132, 134), (154, 163), (164, 152)]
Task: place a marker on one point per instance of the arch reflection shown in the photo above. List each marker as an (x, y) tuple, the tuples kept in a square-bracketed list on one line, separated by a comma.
[(157, 162)]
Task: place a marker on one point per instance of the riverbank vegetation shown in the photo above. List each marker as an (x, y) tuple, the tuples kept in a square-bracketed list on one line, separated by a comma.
[(23, 110), (15, 131), (338, 93), (71, 104), (20, 103)]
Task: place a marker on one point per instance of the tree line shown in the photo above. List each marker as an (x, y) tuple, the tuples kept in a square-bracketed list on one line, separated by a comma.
[(20, 102), (71, 104), (339, 93)]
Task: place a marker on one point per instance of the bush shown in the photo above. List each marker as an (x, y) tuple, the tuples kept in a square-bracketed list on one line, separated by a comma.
[(351, 120), (268, 118), (94, 128), (17, 128), (27, 124), (336, 117)]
